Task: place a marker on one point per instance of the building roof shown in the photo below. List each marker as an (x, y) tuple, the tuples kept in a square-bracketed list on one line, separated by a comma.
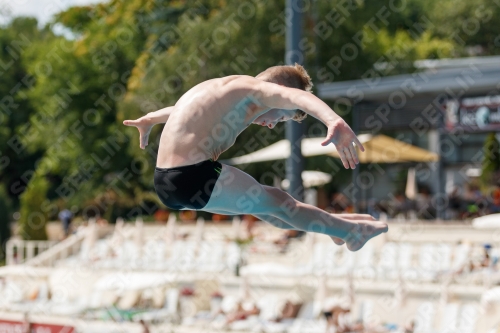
[(466, 76)]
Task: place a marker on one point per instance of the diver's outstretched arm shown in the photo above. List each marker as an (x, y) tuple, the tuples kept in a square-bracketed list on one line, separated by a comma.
[(146, 123)]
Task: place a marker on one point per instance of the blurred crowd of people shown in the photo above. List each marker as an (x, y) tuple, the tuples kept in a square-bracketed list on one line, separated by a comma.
[(462, 203)]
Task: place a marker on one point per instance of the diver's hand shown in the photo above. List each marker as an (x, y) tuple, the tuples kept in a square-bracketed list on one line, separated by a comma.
[(144, 126), (342, 136)]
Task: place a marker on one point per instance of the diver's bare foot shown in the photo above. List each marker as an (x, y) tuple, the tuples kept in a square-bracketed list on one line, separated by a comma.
[(337, 240), (351, 217), (362, 232), (357, 217)]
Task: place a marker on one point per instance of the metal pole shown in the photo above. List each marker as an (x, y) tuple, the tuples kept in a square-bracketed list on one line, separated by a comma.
[(294, 130), (355, 173), (441, 193)]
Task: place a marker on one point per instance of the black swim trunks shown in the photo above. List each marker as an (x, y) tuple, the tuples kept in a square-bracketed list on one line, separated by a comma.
[(188, 186)]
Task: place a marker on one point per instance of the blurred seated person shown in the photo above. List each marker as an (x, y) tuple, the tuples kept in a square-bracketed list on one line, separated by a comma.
[(472, 193), (145, 328), (340, 203), (373, 208), (101, 221), (288, 235), (484, 261), (249, 223), (410, 327), (423, 204), (480, 263), (401, 205), (289, 311), (495, 201), (455, 203), (242, 312), (338, 320)]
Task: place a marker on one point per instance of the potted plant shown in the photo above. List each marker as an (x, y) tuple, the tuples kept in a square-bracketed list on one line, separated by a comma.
[(187, 215), (186, 302), (161, 215), (215, 302)]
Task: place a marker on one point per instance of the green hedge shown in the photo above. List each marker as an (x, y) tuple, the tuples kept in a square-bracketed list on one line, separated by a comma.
[(5, 214), (33, 215)]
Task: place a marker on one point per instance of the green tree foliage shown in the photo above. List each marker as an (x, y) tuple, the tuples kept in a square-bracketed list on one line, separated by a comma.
[(16, 164), (467, 24), (356, 35), (491, 161), (33, 215), (5, 214)]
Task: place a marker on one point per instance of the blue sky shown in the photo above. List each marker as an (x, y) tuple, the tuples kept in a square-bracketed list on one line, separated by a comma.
[(43, 10)]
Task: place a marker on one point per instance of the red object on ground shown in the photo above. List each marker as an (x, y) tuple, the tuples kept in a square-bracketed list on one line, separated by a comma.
[(7, 326)]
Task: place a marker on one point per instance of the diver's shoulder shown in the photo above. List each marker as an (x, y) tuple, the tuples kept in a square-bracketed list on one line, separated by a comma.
[(240, 81), (236, 78)]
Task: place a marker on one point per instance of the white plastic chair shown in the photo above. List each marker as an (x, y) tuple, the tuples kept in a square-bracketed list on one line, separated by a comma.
[(172, 301), (364, 264), (210, 257), (386, 267), (345, 265), (449, 318), (428, 263), (461, 254), (424, 318), (444, 257), (406, 269), (308, 326), (323, 257), (467, 318), (318, 259), (181, 257), (366, 311), (153, 255), (233, 256)]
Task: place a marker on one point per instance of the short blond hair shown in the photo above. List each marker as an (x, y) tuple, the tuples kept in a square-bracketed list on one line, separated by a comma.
[(290, 76)]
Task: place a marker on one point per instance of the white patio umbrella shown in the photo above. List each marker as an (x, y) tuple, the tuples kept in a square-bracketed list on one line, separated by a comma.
[(411, 184), (198, 233), (236, 227), (244, 291), (348, 290), (170, 228), (491, 221), (132, 281), (117, 238), (89, 241), (118, 232), (400, 292), (310, 178), (320, 295), (91, 236), (490, 297), (139, 234), (379, 149)]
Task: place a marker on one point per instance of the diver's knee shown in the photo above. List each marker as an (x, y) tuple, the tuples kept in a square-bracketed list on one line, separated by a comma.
[(282, 204)]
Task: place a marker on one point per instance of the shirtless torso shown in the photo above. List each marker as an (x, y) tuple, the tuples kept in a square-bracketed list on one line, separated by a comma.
[(206, 121)]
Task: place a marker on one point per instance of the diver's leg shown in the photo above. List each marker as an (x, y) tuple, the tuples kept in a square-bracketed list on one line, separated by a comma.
[(239, 193)]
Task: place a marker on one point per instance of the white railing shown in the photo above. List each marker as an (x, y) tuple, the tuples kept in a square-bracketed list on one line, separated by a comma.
[(19, 251), (61, 250)]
